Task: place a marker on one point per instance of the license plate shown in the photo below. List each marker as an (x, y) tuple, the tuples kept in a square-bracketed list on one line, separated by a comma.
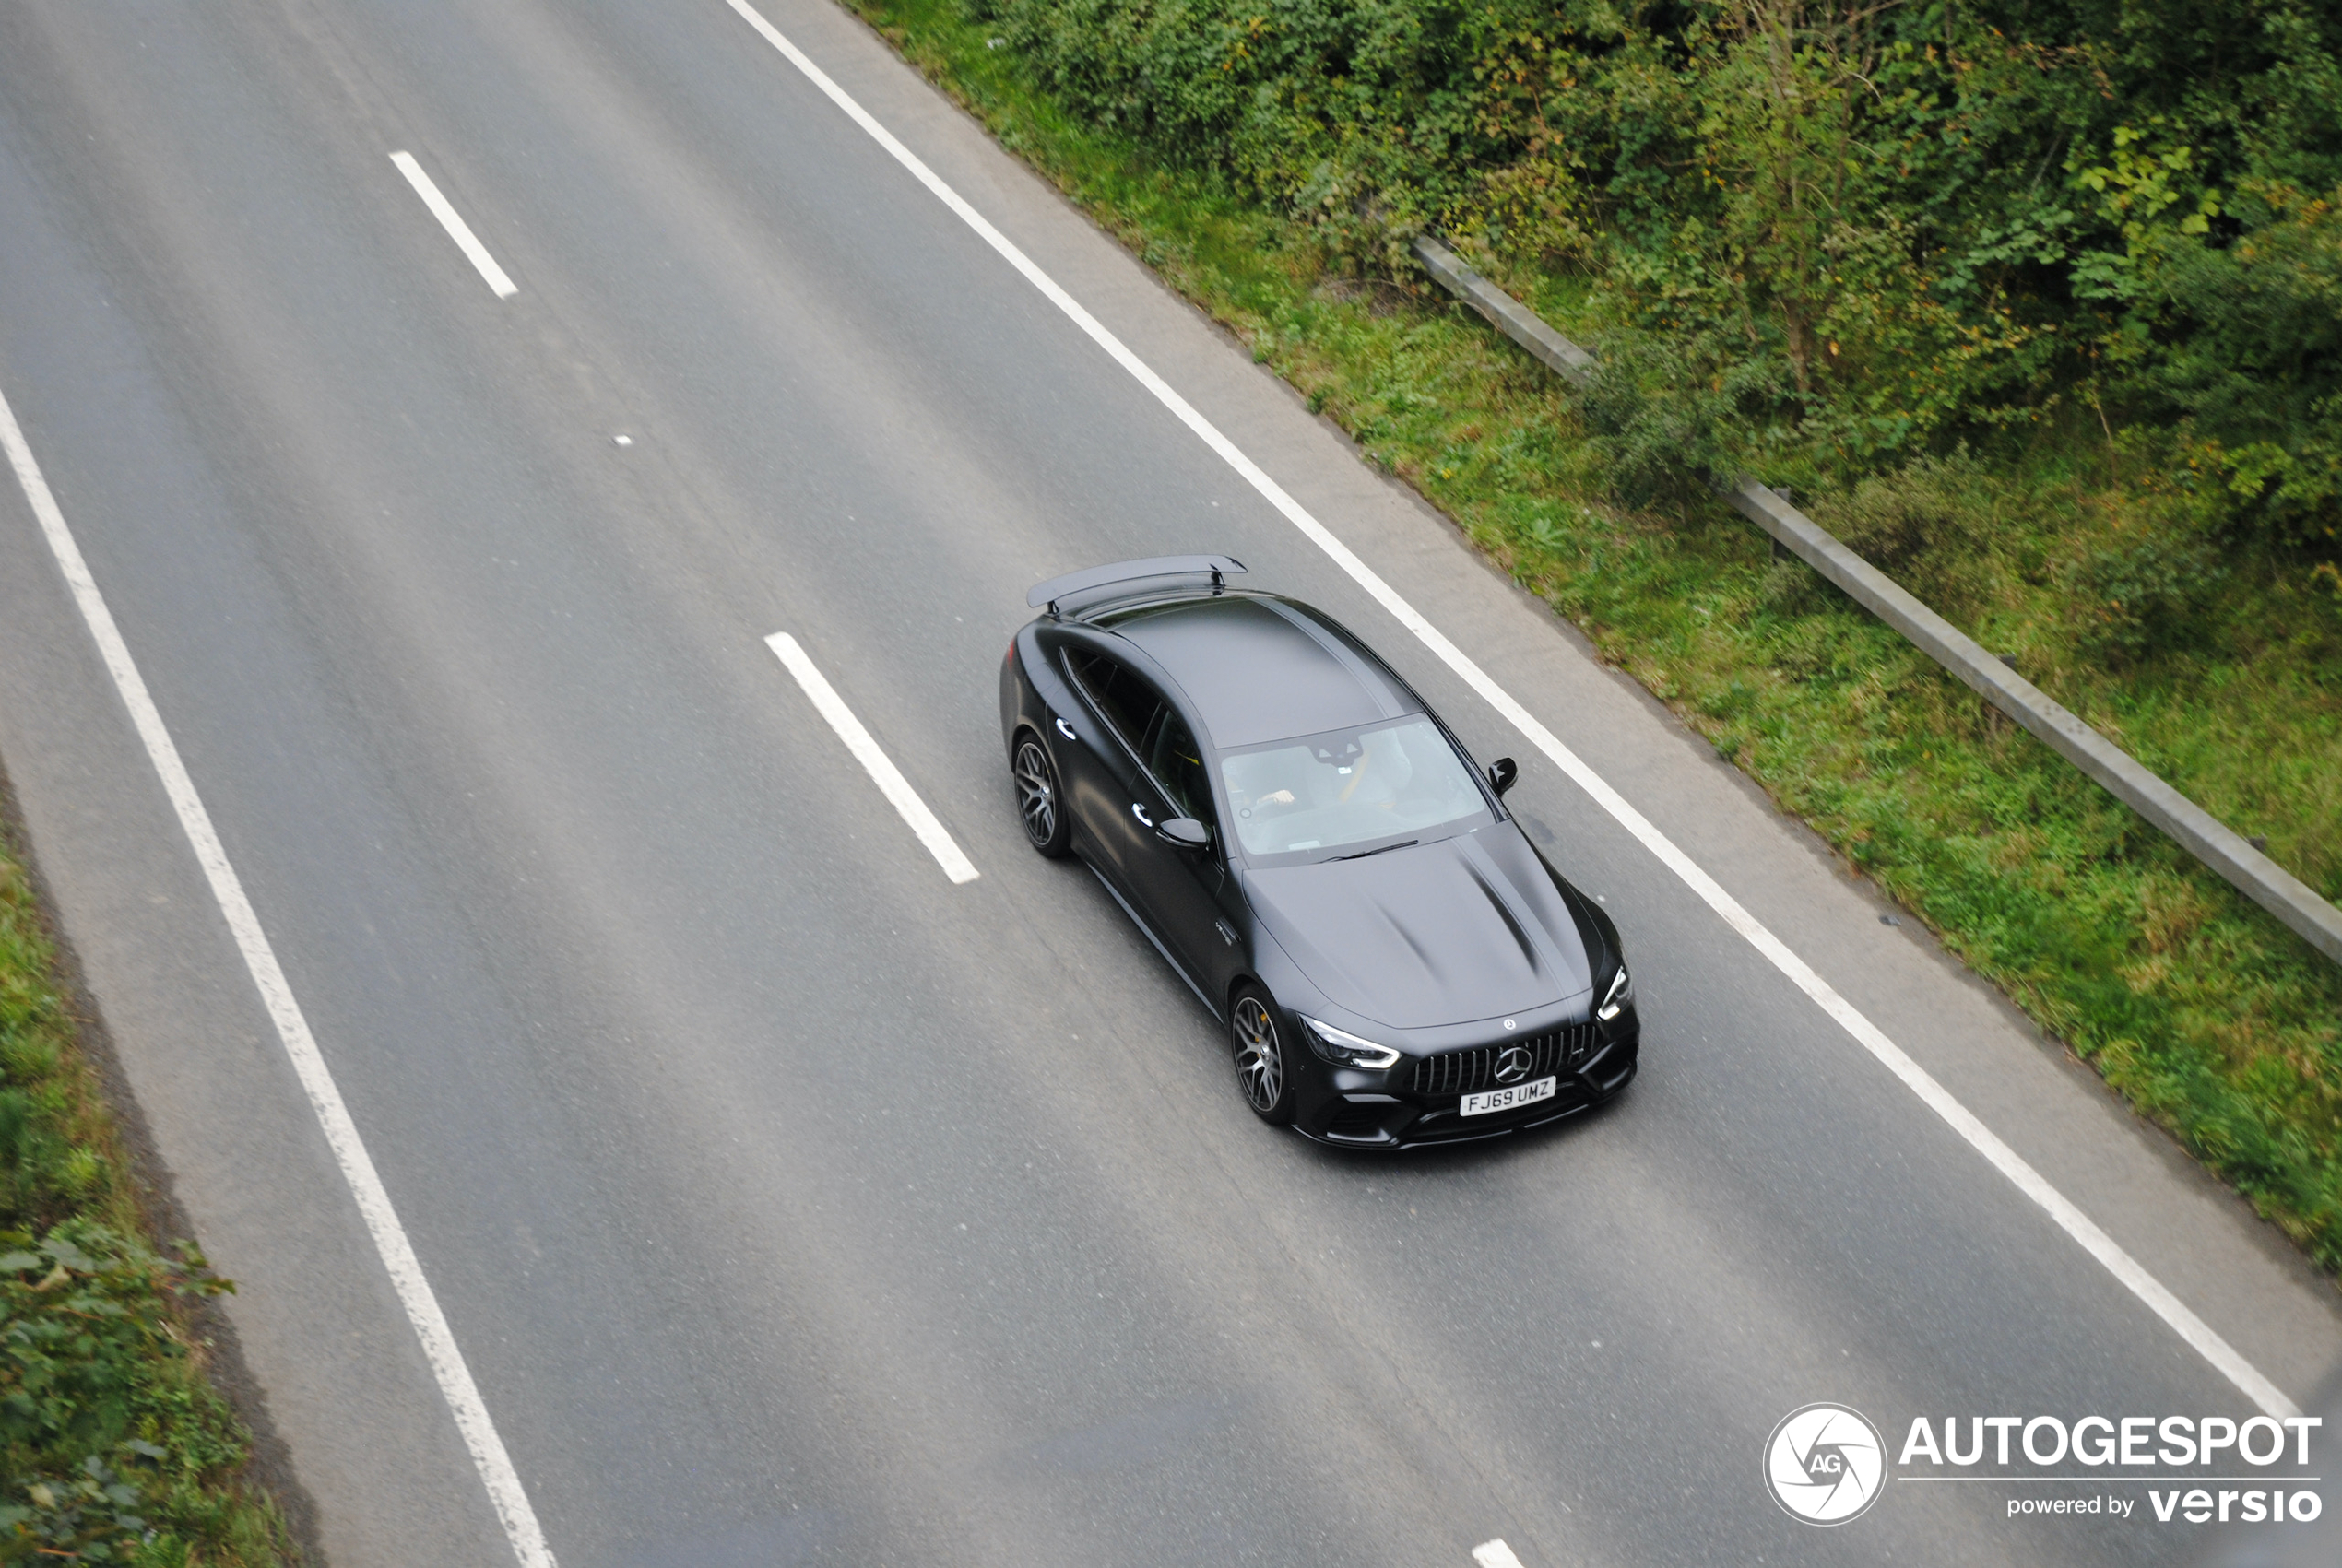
[(1506, 1098)]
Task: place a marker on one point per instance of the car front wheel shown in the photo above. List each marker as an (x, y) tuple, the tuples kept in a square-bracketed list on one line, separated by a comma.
[(1263, 1067), (1038, 800)]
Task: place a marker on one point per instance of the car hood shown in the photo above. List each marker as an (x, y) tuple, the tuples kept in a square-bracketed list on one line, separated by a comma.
[(1443, 933)]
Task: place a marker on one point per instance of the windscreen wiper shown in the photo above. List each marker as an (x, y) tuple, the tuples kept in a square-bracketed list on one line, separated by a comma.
[(1403, 844)]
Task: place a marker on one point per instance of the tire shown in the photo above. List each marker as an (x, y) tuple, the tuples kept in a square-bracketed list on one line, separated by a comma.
[(1263, 1063), (1039, 802)]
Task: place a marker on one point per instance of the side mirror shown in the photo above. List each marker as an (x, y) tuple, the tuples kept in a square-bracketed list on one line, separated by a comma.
[(1186, 833), (1501, 775)]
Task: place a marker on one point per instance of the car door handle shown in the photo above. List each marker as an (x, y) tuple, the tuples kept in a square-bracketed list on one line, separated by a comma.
[(1140, 813), (1067, 730)]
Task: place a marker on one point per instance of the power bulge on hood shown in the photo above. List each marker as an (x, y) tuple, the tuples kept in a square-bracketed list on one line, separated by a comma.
[(1317, 856)]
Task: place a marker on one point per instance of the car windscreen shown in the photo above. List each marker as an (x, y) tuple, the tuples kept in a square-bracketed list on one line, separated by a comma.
[(1349, 791)]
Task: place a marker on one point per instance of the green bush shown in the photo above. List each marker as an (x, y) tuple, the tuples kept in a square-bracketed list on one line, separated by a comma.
[(2137, 598), (94, 1385), (1810, 240), (114, 1448)]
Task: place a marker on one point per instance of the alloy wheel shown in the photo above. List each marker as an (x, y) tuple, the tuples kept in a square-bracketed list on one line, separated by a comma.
[(1040, 805), (1036, 794), (1259, 1055)]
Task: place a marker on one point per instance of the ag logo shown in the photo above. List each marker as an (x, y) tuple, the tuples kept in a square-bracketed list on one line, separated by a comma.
[(1512, 1064), (1825, 1464)]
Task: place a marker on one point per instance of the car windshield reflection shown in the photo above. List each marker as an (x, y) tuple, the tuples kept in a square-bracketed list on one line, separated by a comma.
[(1327, 795)]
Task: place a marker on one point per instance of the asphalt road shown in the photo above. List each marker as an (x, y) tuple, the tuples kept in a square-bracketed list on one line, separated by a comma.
[(789, 1202)]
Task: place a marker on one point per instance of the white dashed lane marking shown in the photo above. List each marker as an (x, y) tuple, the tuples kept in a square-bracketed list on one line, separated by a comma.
[(883, 772), (453, 221)]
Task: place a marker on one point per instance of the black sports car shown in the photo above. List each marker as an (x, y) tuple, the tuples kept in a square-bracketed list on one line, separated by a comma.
[(1317, 856)]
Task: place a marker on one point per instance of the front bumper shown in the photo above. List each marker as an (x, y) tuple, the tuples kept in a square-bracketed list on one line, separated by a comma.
[(1351, 1113)]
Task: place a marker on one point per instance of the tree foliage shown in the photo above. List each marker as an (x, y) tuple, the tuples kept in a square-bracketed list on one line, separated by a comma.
[(1815, 237)]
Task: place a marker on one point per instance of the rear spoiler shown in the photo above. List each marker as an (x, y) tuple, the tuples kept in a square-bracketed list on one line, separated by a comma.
[(1057, 588)]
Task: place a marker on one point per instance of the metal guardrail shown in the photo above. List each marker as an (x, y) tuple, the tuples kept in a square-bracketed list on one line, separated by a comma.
[(2194, 829)]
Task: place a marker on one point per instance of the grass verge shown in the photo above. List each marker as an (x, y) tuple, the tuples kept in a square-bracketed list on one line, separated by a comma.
[(115, 1446), (2222, 673)]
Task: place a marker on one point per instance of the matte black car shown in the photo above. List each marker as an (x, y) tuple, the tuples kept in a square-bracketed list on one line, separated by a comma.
[(1317, 855)]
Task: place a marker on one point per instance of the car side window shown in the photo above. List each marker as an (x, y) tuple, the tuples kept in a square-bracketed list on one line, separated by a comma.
[(1176, 762), (1127, 703)]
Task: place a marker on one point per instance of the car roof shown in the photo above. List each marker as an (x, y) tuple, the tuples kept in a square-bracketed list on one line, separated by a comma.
[(1260, 668)]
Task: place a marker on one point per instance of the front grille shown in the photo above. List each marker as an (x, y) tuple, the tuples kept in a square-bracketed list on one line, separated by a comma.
[(1471, 1071)]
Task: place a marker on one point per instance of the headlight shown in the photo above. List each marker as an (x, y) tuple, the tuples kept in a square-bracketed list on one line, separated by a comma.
[(1619, 997), (1348, 1050)]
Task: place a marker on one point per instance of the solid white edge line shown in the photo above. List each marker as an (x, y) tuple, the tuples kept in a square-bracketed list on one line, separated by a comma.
[(464, 1401), (2096, 1242), (1495, 1554), (883, 772), (453, 221)]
